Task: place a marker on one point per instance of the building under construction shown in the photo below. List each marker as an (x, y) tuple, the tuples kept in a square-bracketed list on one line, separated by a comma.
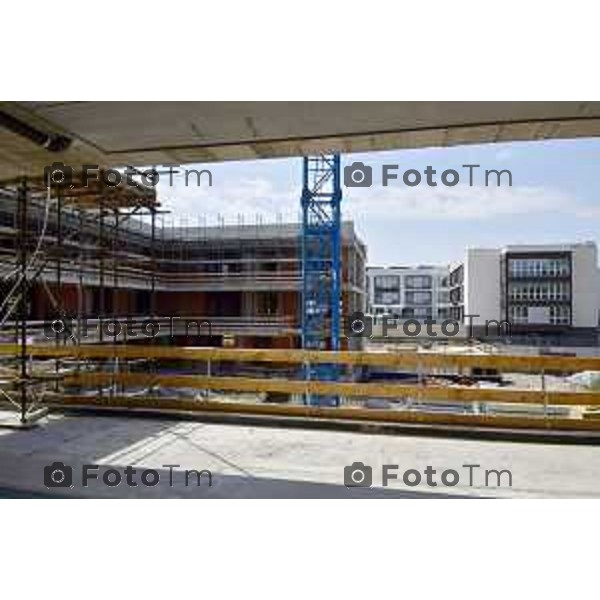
[(96, 264)]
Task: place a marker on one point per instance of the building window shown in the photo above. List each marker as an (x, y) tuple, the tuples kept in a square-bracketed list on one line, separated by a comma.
[(541, 291), (383, 297), (538, 267), (418, 298), (557, 315), (387, 282), (418, 282), (444, 297), (424, 312), (518, 314), (560, 315), (386, 289), (456, 295), (457, 276)]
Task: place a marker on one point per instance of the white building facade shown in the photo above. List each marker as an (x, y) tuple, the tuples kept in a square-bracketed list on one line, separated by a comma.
[(419, 292), (534, 287)]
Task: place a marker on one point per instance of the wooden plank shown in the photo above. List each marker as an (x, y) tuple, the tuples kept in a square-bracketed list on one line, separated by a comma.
[(349, 413), (348, 389), (406, 360)]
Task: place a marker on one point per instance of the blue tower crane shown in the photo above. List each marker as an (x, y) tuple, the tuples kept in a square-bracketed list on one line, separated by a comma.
[(321, 264)]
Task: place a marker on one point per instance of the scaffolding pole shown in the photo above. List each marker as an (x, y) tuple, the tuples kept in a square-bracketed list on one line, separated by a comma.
[(23, 293)]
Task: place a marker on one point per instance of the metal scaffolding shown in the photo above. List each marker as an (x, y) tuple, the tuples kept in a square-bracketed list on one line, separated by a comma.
[(63, 237)]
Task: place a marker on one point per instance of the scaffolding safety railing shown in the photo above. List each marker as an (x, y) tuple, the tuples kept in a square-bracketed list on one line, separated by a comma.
[(426, 390)]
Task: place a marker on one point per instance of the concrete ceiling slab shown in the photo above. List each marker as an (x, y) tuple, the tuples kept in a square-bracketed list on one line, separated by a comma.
[(145, 133)]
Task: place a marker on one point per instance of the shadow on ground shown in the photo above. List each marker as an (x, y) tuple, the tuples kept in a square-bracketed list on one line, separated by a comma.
[(117, 442)]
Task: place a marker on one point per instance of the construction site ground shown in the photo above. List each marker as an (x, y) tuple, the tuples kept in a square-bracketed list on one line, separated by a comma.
[(277, 462)]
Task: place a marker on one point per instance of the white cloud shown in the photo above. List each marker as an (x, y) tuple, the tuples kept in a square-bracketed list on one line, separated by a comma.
[(455, 203), (249, 198), (259, 198)]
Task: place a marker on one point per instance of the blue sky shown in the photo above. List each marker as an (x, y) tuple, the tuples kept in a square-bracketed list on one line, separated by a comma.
[(555, 197)]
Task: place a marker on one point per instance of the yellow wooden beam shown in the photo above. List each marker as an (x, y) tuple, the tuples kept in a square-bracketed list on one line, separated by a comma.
[(343, 413), (348, 389), (403, 360)]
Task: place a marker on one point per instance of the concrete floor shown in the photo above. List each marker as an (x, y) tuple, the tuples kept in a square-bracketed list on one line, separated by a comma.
[(266, 462)]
